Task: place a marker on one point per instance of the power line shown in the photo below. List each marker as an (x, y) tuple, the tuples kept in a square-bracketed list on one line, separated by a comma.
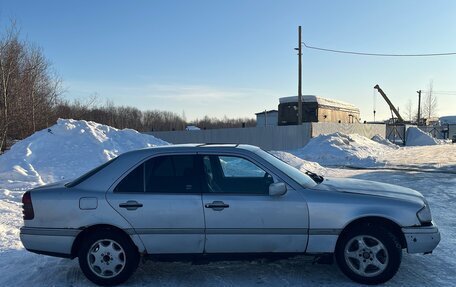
[(378, 54), (441, 92)]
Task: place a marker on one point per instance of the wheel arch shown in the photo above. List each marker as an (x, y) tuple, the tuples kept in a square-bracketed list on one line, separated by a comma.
[(384, 222), (88, 229)]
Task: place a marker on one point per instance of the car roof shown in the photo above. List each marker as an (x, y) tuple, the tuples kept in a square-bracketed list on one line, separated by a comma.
[(192, 147)]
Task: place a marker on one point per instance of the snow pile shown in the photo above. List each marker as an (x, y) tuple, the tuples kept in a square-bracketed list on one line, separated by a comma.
[(66, 150), (192, 128), (320, 101), (340, 149), (302, 165), (417, 137), (378, 138)]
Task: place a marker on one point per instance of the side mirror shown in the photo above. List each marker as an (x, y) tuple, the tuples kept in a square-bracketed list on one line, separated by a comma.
[(277, 189)]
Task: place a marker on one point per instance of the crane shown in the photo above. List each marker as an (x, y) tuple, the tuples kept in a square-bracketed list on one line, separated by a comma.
[(390, 104)]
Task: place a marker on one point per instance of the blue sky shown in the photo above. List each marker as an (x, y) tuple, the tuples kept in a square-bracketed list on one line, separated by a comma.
[(235, 57)]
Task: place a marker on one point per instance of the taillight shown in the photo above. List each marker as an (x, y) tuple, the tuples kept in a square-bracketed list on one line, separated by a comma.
[(27, 207)]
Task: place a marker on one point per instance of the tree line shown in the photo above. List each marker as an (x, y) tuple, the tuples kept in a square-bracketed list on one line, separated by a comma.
[(130, 117), (31, 99)]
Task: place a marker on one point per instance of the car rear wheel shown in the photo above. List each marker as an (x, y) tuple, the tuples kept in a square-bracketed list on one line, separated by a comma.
[(369, 255), (107, 257)]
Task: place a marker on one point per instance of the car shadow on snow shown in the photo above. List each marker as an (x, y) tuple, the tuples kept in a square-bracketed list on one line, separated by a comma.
[(286, 272), (22, 268), (299, 271)]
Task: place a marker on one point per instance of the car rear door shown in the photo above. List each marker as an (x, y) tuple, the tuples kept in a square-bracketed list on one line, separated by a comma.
[(240, 214), (161, 198)]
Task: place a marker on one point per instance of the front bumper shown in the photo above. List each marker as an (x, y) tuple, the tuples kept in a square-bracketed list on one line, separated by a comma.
[(422, 239)]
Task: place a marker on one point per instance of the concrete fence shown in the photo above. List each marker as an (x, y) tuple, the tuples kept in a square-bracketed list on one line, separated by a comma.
[(269, 137), (397, 133), (367, 130), (444, 131)]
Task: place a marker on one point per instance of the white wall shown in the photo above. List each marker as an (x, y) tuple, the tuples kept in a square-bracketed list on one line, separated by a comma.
[(367, 130), (269, 137)]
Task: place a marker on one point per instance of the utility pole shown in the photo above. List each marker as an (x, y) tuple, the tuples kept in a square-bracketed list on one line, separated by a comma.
[(265, 118), (299, 76), (419, 107)]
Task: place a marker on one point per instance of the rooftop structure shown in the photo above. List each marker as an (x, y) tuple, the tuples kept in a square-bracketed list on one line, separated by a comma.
[(267, 118), (316, 109)]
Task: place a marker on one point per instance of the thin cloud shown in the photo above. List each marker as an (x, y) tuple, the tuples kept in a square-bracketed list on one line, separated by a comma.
[(196, 100)]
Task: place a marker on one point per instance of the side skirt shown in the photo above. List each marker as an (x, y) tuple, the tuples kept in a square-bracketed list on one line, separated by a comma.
[(215, 257)]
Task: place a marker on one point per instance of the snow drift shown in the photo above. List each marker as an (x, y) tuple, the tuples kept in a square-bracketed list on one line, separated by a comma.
[(340, 149), (353, 150), (382, 140), (417, 137), (299, 163), (66, 150)]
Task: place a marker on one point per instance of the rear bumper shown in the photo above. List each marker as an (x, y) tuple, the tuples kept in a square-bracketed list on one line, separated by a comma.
[(421, 239), (50, 241)]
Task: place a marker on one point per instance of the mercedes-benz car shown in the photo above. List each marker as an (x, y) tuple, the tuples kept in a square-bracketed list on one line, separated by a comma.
[(222, 199)]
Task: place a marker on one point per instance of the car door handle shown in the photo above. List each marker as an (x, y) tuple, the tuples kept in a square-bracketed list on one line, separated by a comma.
[(217, 205), (131, 205)]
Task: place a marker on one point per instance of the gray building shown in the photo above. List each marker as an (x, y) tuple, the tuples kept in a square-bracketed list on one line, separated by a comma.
[(267, 118), (317, 109)]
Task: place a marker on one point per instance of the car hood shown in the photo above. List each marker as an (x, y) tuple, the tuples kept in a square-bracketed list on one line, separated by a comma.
[(367, 187)]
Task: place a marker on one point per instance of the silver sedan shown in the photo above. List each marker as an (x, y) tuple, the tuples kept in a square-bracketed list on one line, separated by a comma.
[(187, 201)]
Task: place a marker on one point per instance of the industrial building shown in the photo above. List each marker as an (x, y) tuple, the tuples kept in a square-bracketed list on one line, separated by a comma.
[(448, 124), (267, 118), (316, 109)]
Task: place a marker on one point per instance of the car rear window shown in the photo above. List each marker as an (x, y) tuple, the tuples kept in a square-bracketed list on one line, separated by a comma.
[(163, 174), (89, 174), (172, 174), (133, 182)]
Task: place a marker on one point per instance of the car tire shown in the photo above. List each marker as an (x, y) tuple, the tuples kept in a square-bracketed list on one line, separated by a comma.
[(369, 254), (107, 257)]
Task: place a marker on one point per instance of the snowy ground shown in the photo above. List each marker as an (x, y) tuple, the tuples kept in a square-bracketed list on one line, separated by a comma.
[(438, 183), (339, 150)]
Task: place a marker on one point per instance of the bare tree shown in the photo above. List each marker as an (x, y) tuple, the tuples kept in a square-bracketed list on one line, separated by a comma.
[(28, 90), (409, 112), (430, 102), (10, 55)]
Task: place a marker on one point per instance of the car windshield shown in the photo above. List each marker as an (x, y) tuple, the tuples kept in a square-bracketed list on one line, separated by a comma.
[(301, 178)]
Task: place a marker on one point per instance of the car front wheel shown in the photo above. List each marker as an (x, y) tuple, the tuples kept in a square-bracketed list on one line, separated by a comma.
[(107, 257), (369, 255)]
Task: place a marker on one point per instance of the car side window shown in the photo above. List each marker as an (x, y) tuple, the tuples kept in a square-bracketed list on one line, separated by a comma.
[(239, 167), (237, 175), (133, 182), (172, 174)]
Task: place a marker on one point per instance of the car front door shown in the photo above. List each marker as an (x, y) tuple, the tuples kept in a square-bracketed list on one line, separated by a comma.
[(161, 198), (240, 214)]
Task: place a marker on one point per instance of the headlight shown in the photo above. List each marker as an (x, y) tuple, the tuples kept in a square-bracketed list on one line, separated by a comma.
[(424, 214)]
